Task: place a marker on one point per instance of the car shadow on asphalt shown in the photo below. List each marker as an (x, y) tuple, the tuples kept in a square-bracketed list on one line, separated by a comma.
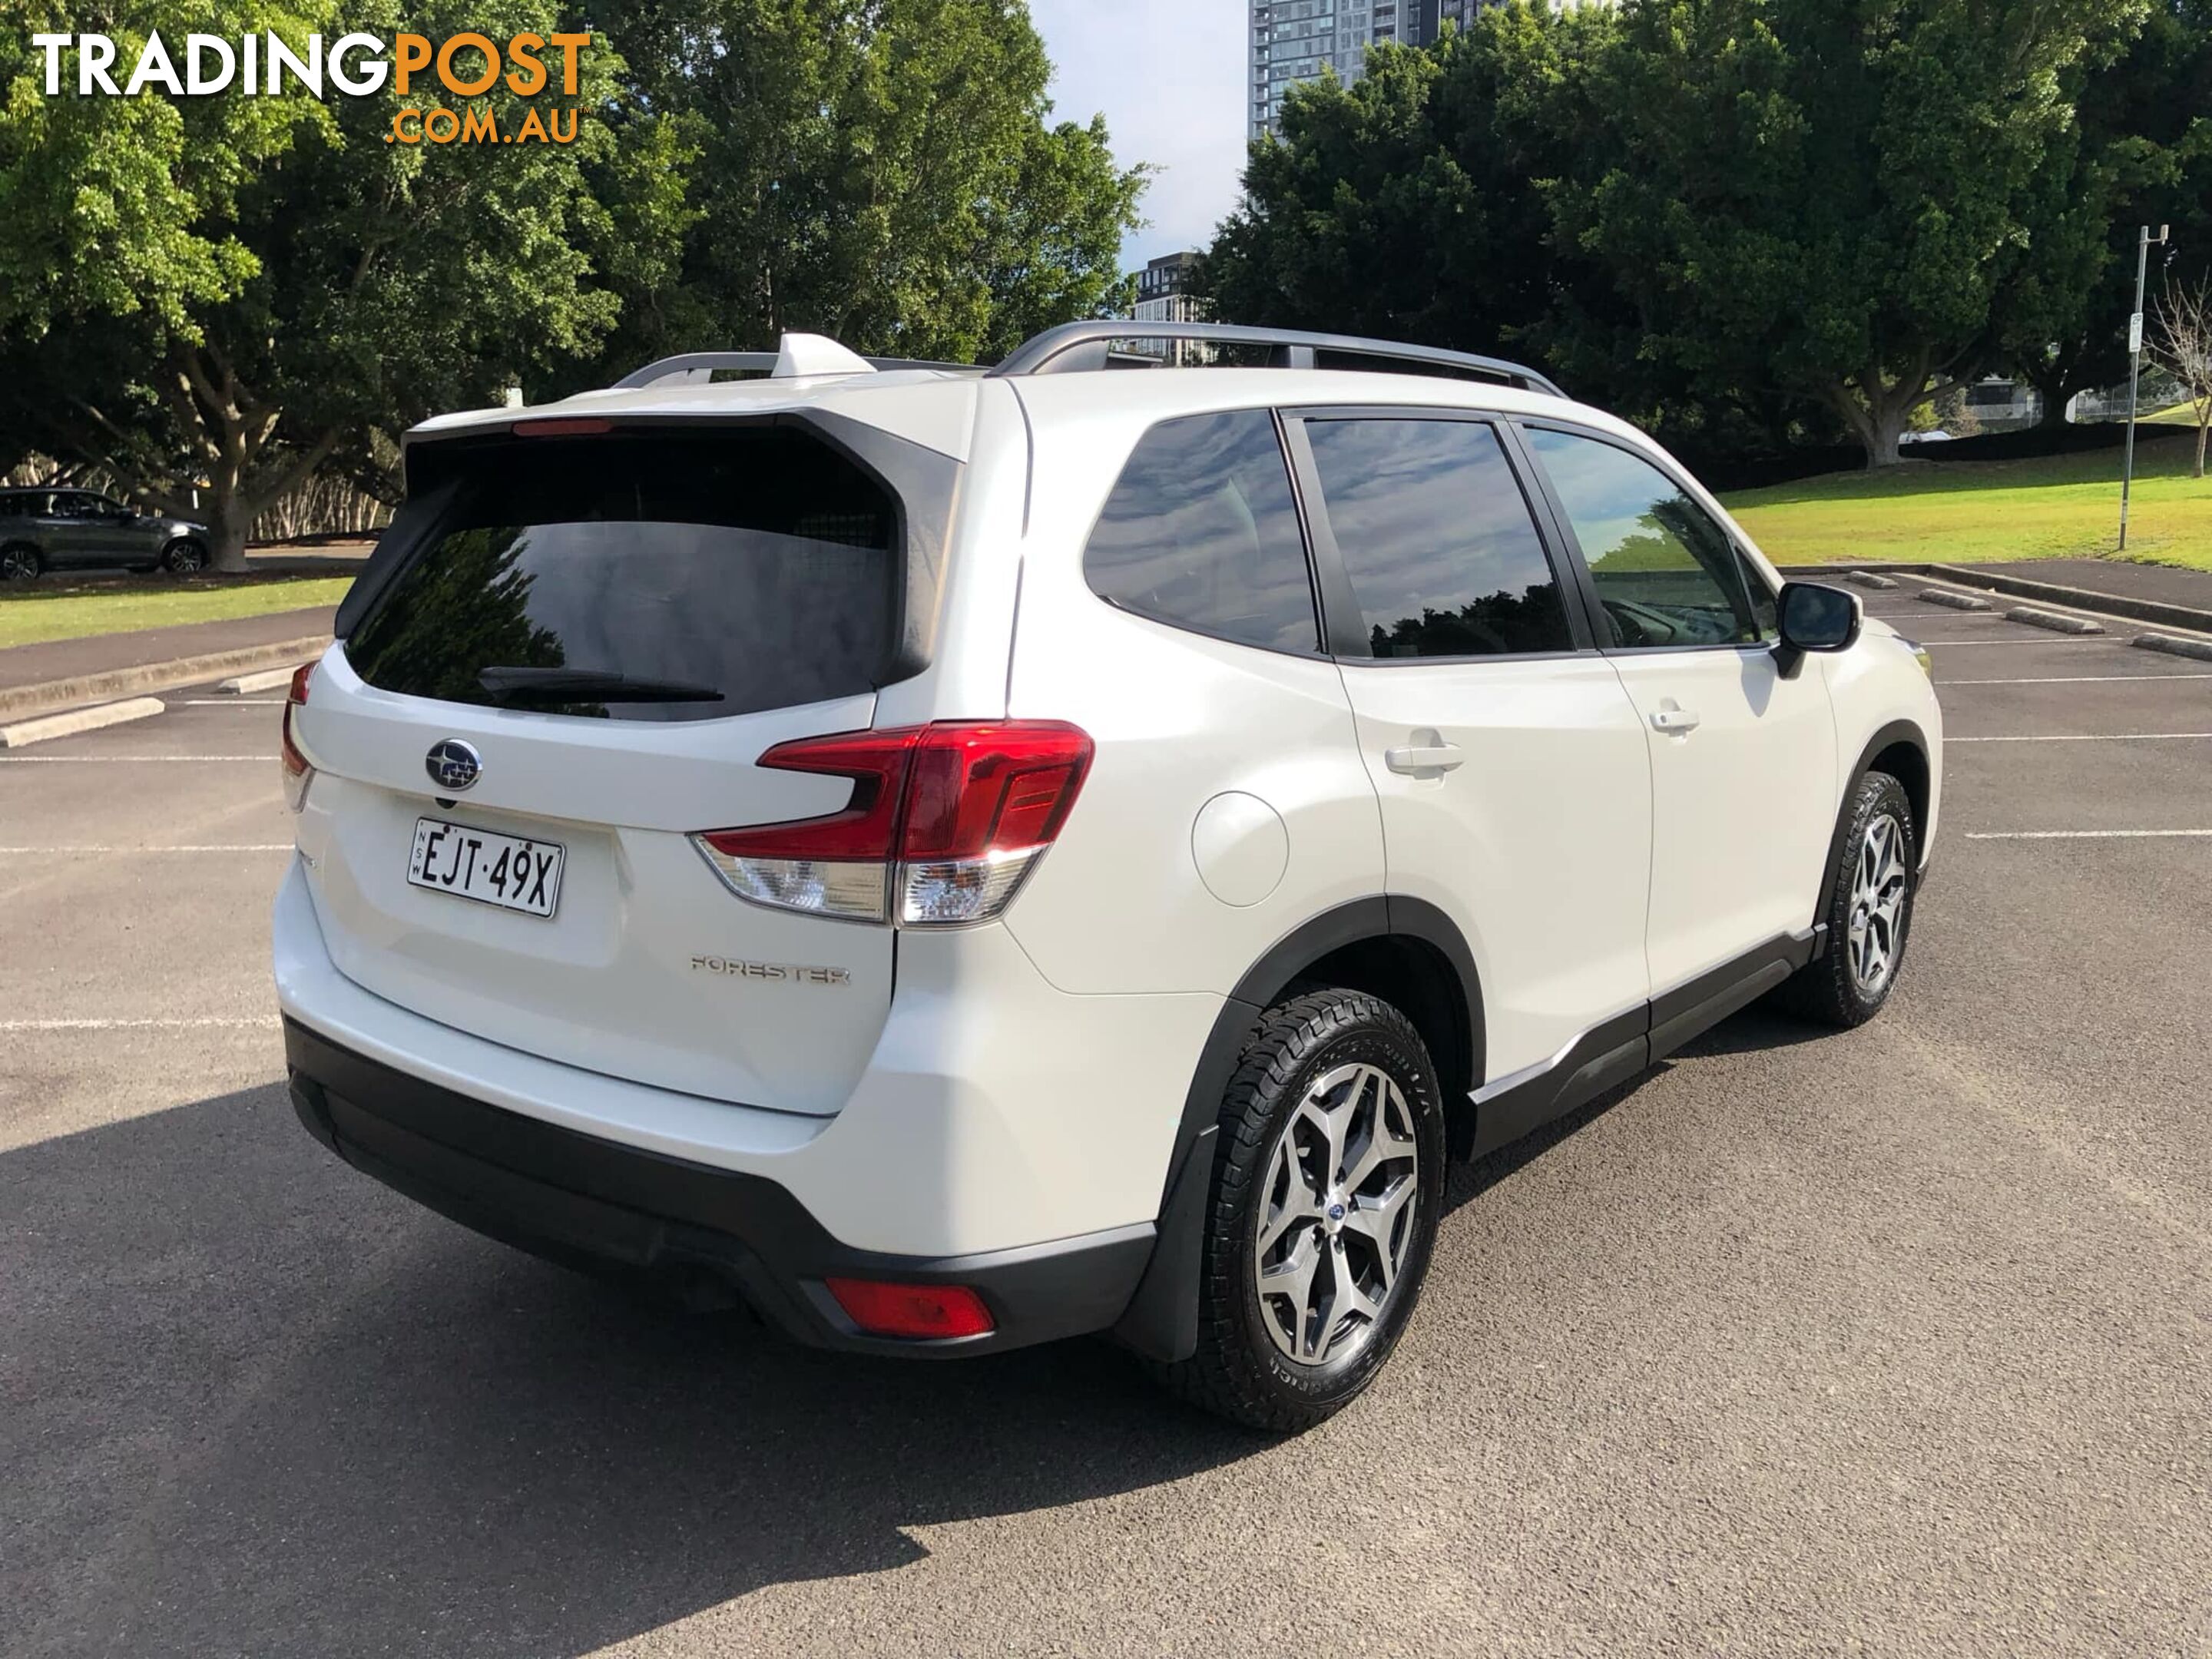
[(256, 1402)]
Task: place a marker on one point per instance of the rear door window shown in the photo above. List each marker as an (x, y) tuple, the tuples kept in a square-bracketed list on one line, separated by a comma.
[(644, 575), (1201, 532), (1438, 539)]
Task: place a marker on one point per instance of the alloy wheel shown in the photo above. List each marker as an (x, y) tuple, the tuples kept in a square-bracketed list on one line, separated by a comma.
[(18, 564), (1336, 1215), (1879, 883)]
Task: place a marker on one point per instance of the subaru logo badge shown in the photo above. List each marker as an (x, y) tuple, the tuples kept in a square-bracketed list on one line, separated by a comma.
[(453, 765)]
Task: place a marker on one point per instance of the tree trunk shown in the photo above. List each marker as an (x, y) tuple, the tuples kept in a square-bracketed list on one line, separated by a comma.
[(1877, 415), (227, 526), (2204, 432), (1885, 446)]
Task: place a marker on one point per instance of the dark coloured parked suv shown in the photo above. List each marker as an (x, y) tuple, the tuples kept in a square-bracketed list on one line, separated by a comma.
[(61, 529)]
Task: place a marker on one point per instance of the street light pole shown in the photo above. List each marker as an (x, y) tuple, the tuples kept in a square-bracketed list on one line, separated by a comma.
[(2134, 367)]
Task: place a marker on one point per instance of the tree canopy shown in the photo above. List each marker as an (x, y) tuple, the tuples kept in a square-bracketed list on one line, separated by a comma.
[(225, 294), (1816, 214)]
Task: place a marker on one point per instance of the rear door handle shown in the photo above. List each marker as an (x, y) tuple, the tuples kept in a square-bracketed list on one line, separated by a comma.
[(1434, 758), (1680, 722)]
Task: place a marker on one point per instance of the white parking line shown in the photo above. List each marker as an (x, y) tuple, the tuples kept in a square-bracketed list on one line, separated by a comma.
[(229, 702), (119, 760), (250, 1023), (2090, 835), (238, 846), (2095, 736), (2063, 639), (2079, 679)]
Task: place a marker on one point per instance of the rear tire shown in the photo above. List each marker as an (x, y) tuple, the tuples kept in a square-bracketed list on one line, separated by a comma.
[(184, 558), (20, 563), (1869, 910), (1328, 1188)]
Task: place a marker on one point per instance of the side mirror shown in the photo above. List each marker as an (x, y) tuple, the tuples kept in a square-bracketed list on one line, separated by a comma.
[(1813, 618)]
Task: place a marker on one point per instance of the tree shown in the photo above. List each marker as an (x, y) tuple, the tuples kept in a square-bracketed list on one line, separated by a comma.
[(1401, 206), (1834, 199), (2183, 345), (266, 285), (2142, 154), (881, 171)]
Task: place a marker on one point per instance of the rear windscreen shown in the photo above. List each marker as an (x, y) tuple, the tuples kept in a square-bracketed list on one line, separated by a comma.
[(655, 575)]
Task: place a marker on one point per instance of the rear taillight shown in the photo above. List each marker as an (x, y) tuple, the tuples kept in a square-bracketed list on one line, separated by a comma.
[(944, 824), (297, 772)]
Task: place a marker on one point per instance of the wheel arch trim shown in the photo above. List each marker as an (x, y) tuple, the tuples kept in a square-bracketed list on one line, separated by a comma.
[(1887, 737), (1162, 1319)]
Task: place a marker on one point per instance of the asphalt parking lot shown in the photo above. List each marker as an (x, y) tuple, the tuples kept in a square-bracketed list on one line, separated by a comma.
[(1895, 1342)]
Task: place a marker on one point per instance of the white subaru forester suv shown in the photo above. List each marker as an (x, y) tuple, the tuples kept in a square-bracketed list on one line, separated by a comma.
[(954, 859)]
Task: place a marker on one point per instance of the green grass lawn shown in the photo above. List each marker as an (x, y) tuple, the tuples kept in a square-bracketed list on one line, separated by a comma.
[(2064, 506), (52, 608)]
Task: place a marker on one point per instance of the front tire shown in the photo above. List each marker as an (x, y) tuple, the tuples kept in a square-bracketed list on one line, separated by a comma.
[(1868, 912), (18, 562), (1325, 1195), (184, 558)]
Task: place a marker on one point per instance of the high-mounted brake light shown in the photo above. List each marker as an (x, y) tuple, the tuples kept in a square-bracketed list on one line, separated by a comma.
[(563, 427), (297, 771), (945, 824), (921, 1311)]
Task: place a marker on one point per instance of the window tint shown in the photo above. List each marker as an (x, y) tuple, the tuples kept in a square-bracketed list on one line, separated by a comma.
[(1201, 532), (757, 563), (1443, 558), (16, 507), (1666, 573), (72, 505)]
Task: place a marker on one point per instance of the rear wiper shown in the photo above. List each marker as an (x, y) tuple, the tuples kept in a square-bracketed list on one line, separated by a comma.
[(588, 685)]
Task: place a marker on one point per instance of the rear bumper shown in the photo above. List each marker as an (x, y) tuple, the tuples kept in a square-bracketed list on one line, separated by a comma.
[(543, 1187)]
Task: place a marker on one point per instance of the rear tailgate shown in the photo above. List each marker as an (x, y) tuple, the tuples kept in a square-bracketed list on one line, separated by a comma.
[(616, 627)]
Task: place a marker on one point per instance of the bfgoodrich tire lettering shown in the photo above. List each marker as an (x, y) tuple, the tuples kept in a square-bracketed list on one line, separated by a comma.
[(1868, 909), (1325, 1057)]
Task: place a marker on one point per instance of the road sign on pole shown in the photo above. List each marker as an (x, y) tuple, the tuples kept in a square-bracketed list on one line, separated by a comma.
[(2135, 369)]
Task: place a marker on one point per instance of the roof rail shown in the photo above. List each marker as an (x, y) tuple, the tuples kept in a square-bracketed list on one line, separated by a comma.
[(1077, 347), (699, 367)]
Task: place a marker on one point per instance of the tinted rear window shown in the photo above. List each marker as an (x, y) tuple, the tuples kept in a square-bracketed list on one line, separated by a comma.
[(1201, 533), (756, 563)]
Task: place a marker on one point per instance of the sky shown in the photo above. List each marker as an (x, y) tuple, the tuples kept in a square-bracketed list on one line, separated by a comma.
[(1168, 76)]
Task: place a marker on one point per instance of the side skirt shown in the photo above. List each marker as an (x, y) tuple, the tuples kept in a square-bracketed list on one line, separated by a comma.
[(1612, 1053)]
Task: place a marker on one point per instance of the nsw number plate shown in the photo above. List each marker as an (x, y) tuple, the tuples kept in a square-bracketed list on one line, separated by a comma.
[(508, 871)]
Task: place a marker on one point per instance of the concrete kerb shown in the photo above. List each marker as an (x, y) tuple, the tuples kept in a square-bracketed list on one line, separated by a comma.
[(1956, 601), (2186, 617), (50, 696), (70, 723), (2175, 647), (2057, 622)]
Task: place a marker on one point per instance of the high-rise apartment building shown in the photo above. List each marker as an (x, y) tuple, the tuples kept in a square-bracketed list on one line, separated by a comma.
[(1292, 39)]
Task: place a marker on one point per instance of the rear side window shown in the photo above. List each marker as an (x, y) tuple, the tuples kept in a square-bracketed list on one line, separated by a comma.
[(1201, 533), (1436, 538), (669, 576)]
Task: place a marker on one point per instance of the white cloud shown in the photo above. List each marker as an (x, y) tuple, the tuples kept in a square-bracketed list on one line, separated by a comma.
[(1168, 76)]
